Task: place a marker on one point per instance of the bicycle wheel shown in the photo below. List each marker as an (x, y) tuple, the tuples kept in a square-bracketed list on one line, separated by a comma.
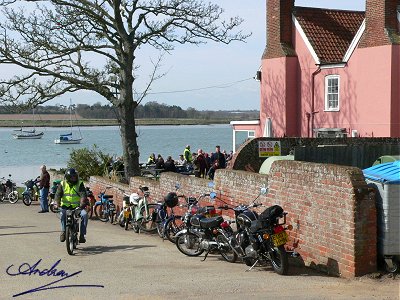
[(160, 229), (69, 240), (13, 197), (26, 198), (112, 214), (101, 212), (146, 223), (172, 227), (90, 211)]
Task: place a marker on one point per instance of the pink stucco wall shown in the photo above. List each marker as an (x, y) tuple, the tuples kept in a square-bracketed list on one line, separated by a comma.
[(369, 93), (279, 95), (395, 130), (249, 127)]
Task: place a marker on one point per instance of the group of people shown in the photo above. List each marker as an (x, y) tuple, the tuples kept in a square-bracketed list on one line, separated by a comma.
[(202, 164), (69, 194)]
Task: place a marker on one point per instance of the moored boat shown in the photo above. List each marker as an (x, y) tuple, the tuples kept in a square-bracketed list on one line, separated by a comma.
[(67, 139), (27, 134)]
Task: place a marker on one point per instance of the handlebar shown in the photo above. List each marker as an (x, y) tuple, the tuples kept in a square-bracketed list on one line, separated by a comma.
[(240, 206)]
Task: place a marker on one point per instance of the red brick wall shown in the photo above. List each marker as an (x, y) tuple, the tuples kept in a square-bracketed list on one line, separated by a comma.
[(329, 206), (332, 212), (381, 25), (279, 29)]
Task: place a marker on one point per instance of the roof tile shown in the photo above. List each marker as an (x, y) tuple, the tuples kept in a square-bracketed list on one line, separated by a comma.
[(330, 32)]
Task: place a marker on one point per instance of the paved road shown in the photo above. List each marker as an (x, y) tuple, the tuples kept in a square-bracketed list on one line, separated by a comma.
[(132, 266)]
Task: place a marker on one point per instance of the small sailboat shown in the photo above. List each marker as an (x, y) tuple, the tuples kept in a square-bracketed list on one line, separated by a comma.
[(28, 134), (68, 138)]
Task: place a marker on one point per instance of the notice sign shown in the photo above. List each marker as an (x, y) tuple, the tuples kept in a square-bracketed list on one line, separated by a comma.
[(269, 148)]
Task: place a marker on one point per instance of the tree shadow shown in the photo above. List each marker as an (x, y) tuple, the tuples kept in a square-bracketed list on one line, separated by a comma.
[(9, 227), (93, 250), (31, 232)]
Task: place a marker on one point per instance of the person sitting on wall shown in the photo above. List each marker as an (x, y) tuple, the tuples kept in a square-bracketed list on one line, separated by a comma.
[(160, 162), (181, 161), (169, 165), (152, 159)]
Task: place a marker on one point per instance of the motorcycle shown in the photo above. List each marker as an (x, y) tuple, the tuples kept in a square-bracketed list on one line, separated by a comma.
[(31, 192), (53, 205), (92, 202), (125, 217), (261, 237), (205, 233), (138, 212), (8, 190)]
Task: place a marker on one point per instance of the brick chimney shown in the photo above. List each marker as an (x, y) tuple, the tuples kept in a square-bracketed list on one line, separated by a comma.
[(279, 29), (381, 24)]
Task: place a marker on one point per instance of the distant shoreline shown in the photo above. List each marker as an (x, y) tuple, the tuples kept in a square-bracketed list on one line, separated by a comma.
[(107, 122)]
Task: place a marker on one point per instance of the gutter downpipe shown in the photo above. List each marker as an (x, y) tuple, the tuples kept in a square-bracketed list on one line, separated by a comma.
[(308, 115)]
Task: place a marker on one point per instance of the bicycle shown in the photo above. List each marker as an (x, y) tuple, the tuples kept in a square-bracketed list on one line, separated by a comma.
[(169, 225), (72, 229), (138, 212), (104, 209), (8, 190)]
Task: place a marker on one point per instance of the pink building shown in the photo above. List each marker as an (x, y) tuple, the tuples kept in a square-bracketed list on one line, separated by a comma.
[(329, 72)]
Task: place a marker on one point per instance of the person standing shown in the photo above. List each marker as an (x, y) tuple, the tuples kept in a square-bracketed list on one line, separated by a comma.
[(201, 160), (187, 155), (44, 184), (218, 162)]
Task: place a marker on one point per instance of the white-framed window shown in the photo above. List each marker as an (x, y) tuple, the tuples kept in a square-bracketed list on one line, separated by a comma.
[(241, 136), (332, 92), (251, 133)]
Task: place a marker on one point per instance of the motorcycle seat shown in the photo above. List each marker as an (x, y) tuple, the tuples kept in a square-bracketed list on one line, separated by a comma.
[(108, 196), (211, 222)]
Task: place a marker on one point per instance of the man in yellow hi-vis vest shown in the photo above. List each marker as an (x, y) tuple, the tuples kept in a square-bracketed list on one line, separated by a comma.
[(71, 193)]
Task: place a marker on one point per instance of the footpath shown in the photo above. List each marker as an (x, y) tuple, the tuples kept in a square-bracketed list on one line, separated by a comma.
[(118, 264)]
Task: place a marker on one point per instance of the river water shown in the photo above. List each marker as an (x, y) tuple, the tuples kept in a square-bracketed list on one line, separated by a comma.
[(22, 158)]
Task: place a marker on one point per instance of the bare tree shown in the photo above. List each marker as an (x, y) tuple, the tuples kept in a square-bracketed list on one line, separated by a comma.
[(55, 44)]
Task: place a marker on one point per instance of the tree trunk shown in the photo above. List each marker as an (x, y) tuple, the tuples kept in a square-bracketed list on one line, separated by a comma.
[(129, 139)]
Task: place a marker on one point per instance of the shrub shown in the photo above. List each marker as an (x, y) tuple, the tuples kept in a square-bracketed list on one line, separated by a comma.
[(89, 162)]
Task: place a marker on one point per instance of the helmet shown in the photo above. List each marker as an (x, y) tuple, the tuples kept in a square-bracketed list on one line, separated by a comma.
[(171, 199), (71, 175), (134, 198)]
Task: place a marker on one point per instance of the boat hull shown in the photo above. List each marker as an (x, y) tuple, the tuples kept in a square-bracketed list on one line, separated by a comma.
[(71, 141), (28, 136)]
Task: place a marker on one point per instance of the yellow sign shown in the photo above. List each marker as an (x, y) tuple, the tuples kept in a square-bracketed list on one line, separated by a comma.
[(269, 148)]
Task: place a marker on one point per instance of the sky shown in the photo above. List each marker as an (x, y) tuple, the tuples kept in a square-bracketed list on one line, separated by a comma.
[(197, 68)]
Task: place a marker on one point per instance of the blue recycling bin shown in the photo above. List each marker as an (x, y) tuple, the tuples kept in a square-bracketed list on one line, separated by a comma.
[(385, 178)]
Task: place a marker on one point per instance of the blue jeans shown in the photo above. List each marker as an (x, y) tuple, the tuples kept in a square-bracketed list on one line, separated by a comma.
[(84, 220), (44, 193)]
